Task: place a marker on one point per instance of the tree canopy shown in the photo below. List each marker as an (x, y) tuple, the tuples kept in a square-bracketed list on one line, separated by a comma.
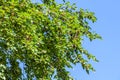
[(40, 40)]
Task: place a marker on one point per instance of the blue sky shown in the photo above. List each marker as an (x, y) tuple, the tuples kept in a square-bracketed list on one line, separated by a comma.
[(106, 50)]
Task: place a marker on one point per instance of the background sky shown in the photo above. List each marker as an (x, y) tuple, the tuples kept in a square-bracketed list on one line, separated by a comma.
[(107, 50)]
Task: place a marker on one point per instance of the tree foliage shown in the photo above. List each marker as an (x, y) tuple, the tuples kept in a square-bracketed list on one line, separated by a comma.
[(39, 40)]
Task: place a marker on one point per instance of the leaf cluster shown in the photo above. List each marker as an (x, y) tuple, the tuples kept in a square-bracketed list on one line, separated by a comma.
[(38, 41)]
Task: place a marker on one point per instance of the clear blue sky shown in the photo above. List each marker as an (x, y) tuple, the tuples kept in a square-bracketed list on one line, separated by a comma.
[(106, 50)]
